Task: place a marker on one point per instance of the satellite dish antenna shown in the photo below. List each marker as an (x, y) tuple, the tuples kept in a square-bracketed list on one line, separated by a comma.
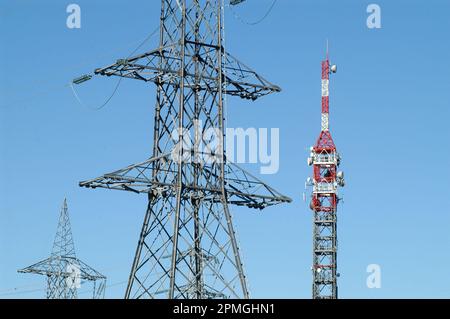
[(333, 68)]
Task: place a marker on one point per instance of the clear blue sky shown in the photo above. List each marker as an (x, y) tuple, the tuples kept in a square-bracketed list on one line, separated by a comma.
[(389, 118)]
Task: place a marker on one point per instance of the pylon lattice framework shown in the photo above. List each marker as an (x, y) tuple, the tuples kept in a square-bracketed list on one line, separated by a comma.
[(187, 247), (65, 272)]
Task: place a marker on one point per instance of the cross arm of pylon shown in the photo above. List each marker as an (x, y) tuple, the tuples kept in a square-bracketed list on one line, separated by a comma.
[(87, 272), (162, 66), (141, 67), (43, 267), (242, 188), (52, 266), (244, 82)]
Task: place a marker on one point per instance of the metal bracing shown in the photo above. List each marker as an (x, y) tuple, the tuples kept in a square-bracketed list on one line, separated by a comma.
[(325, 183), (325, 253), (187, 247), (242, 188), (65, 272)]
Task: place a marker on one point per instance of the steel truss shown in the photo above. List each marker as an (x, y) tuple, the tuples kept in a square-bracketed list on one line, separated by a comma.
[(65, 272), (187, 247), (325, 182)]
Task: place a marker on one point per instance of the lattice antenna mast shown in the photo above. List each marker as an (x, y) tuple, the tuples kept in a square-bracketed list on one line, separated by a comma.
[(64, 271), (187, 247), (324, 200)]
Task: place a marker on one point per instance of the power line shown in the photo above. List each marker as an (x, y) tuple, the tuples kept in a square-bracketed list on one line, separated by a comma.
[(22, 292), (18, 291), (50, 89), (8, 291), (107, 286), (238, 17), (102, 105), (116, 88)]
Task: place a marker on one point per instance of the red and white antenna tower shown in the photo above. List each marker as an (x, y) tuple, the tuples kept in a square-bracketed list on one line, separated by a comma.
[(324, 200)]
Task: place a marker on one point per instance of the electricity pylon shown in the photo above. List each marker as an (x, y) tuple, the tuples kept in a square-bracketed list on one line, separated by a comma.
[(187, 247), (65, 272)]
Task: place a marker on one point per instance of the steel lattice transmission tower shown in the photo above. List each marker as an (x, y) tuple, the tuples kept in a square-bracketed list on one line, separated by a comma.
[(65, 272), (325, 182), (187, 247)]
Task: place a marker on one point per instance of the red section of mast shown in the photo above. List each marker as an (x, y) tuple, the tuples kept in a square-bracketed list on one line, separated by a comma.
[(326, 77)]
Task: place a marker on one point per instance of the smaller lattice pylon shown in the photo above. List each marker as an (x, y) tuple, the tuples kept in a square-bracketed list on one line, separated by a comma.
[(65, 272)]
